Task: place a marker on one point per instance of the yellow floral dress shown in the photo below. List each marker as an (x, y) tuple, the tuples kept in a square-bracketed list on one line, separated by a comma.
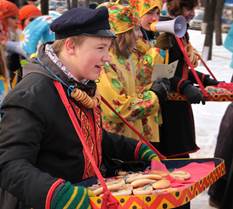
[(125, 83)]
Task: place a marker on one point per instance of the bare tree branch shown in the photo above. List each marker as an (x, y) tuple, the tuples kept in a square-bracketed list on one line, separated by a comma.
[(218, 21), (44, 7)]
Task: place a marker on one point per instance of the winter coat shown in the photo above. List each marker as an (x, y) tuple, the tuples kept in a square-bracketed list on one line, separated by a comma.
[(38, 143), (177, 133), (224, 150)]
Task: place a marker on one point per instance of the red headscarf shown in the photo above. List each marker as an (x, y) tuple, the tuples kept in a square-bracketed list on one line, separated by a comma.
[(8, 9), (28, 11)]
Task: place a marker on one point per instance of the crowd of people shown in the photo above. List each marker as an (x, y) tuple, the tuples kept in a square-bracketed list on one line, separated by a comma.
[(54, 70)]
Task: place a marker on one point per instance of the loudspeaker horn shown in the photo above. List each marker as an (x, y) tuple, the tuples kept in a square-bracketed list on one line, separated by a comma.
[(177, 26)]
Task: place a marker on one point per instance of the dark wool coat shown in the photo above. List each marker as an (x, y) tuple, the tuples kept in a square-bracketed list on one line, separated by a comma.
[(177, 133), (222, 190)]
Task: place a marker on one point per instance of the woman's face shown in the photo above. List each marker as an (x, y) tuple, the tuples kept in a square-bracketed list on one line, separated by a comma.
[(12, 22), (188, 13), (87, 59), (149, 17)]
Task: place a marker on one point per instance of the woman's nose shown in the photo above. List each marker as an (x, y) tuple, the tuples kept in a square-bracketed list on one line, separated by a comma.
[(139, 34), (106, 57), (155, 18)]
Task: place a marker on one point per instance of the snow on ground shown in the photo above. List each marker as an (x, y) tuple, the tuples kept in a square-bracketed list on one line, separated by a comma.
[(208, 117)]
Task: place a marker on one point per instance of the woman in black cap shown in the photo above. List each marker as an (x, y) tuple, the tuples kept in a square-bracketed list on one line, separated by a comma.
[(42, 157)]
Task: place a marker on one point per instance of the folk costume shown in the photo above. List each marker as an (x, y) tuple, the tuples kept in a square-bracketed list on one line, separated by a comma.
[(4, 87), (4, 79), (176, 138), (10, 10), (122, 83), (178, 129), (42, 159)]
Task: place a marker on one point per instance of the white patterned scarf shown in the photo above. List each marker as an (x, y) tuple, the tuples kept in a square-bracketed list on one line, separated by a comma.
[(54, 58)]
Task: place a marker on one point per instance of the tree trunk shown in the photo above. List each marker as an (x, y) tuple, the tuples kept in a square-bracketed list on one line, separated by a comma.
[(21, 3), (218, 21), (15, 2), (87, 3), (83, 3), (68, 4), (202, 3), (209, 18), (74, 3), (44, 7)]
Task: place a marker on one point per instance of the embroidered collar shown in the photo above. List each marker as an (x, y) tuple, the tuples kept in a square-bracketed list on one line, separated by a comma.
[(54, 58)]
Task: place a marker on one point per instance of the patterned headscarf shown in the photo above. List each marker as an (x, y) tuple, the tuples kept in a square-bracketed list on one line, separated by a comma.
[(28, 11), (121, 18), (141, 7)]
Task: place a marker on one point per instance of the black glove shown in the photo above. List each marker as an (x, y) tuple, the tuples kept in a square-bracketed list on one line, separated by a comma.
[(209, 81), (193, 94), (161, 87)]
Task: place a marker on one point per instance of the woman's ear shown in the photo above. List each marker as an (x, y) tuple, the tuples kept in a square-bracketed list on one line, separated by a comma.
[(70, 46)]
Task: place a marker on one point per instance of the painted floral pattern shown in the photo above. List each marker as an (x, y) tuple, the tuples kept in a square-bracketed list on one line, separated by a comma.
[(120, 18), (125, 83), (141, 7)]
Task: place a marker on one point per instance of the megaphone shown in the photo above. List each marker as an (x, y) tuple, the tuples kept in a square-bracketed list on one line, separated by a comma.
[(177, 26)]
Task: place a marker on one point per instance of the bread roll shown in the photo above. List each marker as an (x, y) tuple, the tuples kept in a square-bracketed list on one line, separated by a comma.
[(132, 177), (161, 184), (127, 189), (142, 182), (112, 186), (145, 190), (180, 175), (143, 176)]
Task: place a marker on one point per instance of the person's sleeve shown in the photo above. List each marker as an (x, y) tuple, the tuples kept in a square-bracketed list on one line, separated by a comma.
[(21, 133), (205, 79), (118, 146), (130, 107), (126, 149)]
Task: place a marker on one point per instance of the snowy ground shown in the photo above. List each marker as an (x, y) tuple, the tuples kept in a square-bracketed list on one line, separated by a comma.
[(208, 117)]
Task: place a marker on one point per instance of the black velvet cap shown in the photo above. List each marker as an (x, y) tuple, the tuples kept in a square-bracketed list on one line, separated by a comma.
[(84, 21)]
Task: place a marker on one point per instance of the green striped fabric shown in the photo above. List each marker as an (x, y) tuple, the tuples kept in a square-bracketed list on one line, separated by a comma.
[(71, 197), (145, 153)]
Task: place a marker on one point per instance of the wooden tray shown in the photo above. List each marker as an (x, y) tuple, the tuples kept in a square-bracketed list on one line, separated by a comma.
[(211, 97), (172, 199)]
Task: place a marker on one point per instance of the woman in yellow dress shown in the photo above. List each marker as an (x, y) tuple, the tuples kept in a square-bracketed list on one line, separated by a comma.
[(124, 80)]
